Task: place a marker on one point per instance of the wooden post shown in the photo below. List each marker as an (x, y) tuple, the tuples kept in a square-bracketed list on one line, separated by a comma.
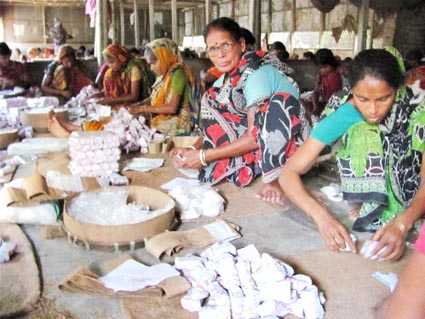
[(151, 21), (257, 24), (322, 28), (362, 29), (370, 45), (113, 25), (136, 25), (43, 15), (294, 24), (122, 23), (174, 30), (100, 31), (208, 11)]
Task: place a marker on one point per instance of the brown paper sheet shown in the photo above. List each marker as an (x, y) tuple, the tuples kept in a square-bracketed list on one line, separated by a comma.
[(86, 280)]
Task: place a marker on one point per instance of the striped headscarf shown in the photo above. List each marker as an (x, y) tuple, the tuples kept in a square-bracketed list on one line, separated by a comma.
[(65, 51), (118, 83), (167, 53)]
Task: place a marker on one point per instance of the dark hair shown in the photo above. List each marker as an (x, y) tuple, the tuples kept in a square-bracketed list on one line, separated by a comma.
[(278, 46), (134, 51), (377, 63), (248, 36), (224, 24), (308, 55), (4, 49), (325, 57)]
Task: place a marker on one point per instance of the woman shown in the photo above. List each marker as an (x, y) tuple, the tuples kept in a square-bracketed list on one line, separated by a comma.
[(12, 73), (173, 103), (124, 81), (127, 80), (381, 159), (328, 80), (251, 118), (65, 77)]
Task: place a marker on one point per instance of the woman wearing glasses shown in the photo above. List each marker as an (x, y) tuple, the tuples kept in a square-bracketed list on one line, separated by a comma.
[(251, 118)]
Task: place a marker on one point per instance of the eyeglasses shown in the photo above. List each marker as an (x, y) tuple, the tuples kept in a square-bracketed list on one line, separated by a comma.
[(224, 47)]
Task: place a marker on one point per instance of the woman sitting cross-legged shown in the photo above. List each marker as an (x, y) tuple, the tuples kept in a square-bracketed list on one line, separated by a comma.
[(381, 160), (125, 81), (173, 104), (65, 77), (251, 117)]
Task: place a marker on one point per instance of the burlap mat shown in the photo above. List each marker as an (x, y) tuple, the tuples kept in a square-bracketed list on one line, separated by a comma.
[(240, 202), (346, 280), (19, 278)]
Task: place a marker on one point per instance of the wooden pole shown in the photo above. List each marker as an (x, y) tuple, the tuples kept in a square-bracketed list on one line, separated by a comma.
[(370, 45), (362, 30), (100, 35), (136, 25), (151, 21), (43, 15), (208, 11), (257, 24), (122, 23), (174, 29)]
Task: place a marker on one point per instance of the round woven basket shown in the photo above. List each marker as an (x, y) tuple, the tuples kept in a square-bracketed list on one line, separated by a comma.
[(38, 118), (8, 136), (122, 237)]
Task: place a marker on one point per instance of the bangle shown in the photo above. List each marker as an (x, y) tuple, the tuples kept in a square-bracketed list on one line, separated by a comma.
[(202, 157), (192, 147), (401, 226)]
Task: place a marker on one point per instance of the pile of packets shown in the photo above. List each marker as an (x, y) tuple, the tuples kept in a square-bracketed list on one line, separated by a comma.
[(93, 154), (242, 283)]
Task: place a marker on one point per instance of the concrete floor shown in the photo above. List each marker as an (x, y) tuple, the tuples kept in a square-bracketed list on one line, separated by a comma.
[(280, 234)]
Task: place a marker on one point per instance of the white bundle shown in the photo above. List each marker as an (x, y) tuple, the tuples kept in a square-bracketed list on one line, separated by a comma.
[(110, 207), (134, 134), (93, 154), (257, 285), (194, 202)]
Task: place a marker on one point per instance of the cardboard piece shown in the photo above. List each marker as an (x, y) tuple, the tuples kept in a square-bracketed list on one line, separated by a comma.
[(86, 280), (36, 189), (59, 162), (181, 242), (123, 236)]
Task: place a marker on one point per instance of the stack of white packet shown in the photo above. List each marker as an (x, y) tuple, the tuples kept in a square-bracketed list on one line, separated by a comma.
[(94, 154), (196, 201), (230, 283), (134, 134)]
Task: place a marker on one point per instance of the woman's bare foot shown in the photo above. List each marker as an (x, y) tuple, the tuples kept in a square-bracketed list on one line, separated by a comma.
[(56, 128), (271, 192)]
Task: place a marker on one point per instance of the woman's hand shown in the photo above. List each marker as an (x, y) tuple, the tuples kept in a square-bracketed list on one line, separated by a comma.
[(333, 232), (136, 109), (186, 158), (390, 240), (67, 94)]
